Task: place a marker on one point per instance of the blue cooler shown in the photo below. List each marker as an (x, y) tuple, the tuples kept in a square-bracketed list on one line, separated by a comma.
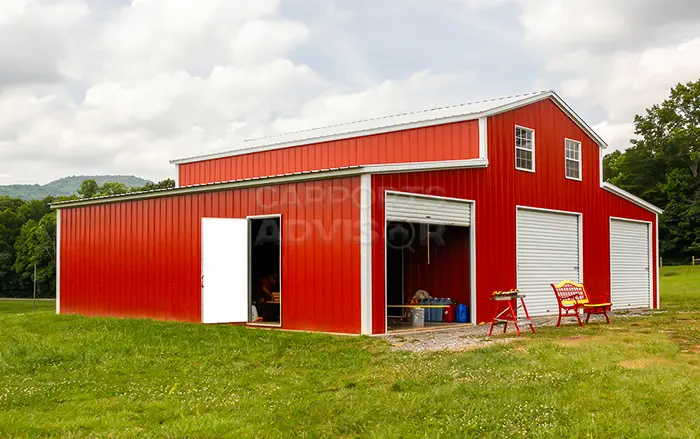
[(428, 313), (462, 314)]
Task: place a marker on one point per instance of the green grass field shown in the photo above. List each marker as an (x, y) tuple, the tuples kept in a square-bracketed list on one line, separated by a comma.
[(22, 306), (68, 376)]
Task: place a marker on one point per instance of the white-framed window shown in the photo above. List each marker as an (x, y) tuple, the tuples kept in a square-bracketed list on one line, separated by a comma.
[(573, 159), (524, 149)]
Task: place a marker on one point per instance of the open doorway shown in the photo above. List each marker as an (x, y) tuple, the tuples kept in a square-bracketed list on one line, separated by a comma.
[(426, 259), (265, 270)]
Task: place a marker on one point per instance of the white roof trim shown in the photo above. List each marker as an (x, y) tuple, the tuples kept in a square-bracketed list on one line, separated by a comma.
[(632, 198), (400, 122), (279, 179)]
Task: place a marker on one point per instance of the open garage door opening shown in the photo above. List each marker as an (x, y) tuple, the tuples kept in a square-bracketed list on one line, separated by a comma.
[(428, 261), (265, 270)]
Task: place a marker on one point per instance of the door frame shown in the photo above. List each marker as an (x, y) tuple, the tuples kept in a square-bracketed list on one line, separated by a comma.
[(472, 251), (250, 269), (650, 257)]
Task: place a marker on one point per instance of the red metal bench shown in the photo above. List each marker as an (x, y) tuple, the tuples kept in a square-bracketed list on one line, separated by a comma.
[(573, 297)]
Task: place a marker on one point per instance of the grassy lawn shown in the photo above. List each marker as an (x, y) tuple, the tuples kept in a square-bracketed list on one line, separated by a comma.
[(70, 376), (22, 306)]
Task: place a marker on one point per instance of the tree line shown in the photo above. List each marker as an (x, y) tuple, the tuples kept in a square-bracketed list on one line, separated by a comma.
[(662, 167), (28, 237)]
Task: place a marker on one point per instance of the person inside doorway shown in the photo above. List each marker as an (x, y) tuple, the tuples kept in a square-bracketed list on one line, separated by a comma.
[(267, 305)]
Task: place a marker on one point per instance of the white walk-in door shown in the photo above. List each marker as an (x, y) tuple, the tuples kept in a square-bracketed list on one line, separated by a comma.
[(630, 264), (428, 210), (225, 270), (548, 253)]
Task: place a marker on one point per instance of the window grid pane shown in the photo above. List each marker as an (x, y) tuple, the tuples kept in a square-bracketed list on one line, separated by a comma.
[(523, 138), (523, 159), (572, 169), (524, 148), (573, 159)]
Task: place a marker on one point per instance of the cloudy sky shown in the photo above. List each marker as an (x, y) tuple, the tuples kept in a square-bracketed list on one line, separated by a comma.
[(121, 87)]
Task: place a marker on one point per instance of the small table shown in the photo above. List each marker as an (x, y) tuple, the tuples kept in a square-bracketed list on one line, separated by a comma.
[(509, 314)]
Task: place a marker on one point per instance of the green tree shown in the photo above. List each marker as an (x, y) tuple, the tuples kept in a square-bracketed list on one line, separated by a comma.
[(10, 224), (111, 188), (36, 246), (165, 184), (88, 189), (662, 166)]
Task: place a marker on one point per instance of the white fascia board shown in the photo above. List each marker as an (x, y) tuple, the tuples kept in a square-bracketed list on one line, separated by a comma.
[(215, 187), (281, 179), (426, 166), (576, 118), (632, 198)]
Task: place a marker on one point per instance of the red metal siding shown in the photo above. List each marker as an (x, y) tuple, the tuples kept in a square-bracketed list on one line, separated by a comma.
[(143, 258), (453, 141), (497, 191)]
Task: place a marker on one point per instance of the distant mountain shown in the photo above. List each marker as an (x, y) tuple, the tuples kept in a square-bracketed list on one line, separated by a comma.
[(65, 186)]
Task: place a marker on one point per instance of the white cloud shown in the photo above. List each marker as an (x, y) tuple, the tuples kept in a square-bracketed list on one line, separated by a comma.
[(90, 87), (615, 58), (33, 37), (564, 22), (262, 39), (623, 84), (421, 90), (555, 24)]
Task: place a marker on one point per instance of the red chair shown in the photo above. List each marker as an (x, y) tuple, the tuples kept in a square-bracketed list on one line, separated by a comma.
[(573, 297)]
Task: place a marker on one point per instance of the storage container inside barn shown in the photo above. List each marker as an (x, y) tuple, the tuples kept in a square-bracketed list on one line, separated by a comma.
[(353, 228)]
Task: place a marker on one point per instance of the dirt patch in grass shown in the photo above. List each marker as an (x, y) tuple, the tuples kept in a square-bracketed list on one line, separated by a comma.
[(645, 363), (576, 340)]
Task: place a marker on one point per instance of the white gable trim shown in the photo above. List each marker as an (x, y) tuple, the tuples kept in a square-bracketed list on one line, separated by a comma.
[(632, 198)]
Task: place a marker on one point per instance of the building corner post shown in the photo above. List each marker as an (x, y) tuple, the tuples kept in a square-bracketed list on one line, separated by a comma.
[(366, 254), (58, 261), (483, 138)]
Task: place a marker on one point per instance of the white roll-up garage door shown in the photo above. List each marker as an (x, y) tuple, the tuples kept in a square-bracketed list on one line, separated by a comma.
[(630, 259), (548, 253), (428, 210)]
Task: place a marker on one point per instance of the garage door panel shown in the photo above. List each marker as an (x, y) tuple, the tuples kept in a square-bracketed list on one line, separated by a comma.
[(630, 270), (427, 210), (548, 252)]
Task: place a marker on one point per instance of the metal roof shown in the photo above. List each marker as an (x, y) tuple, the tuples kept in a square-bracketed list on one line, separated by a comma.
[(397, 122)]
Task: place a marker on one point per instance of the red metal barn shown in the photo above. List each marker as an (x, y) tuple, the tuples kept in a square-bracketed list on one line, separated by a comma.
[(352, 219)]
